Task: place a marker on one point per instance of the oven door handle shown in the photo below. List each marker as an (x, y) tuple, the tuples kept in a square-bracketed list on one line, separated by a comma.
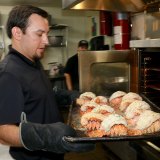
[(153, 146)]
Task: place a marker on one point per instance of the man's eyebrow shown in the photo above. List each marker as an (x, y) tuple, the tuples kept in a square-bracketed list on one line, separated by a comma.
[(41, 31)]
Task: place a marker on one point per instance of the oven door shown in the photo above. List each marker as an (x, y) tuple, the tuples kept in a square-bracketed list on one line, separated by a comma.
[(146, 150), (104, 72), (145, 73)]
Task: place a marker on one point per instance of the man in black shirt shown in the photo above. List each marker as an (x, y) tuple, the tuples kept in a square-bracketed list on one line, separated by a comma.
[(30, 122), (71, 68)]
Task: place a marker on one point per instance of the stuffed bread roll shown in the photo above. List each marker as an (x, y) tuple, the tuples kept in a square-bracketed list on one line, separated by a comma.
[(104, 109), (114, 125), (134, 110), (85, 97), (91, 122), (101, 100), (125, 103), (132, 95), (116, 98), (88, 107), (148, 122)]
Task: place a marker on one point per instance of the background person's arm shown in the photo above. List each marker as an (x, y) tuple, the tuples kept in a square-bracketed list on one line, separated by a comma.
[(68, 81)]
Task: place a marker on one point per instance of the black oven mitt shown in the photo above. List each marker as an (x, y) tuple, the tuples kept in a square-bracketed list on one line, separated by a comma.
[(50, 137)]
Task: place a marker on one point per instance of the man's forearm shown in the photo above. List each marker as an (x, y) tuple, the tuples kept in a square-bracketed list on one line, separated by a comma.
[(9, 135), (68, 81)]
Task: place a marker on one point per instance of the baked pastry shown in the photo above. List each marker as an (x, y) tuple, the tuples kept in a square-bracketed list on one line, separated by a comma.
[(132, 95), (85, 97), (103, 109), (88, 107), (134, 110), (125, 103), (91, 122), (116, 98), (101, 100), (148, 122), (114, 125)]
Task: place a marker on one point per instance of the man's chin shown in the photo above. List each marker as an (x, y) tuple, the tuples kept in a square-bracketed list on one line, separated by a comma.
[(39, 56)]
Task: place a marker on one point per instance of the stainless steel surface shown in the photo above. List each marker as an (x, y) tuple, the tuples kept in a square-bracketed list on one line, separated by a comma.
[(145, 43), (104, 72), (145, 75), (48, 3), (112, 5)]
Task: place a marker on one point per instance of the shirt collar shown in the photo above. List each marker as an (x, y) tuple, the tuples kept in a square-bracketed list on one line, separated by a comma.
[(35, 64)]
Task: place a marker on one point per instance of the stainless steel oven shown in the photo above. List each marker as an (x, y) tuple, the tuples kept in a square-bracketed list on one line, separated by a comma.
[(145, 80), (104, 72), (137, 70)]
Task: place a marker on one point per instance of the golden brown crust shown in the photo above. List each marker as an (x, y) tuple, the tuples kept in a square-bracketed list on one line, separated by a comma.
[(96, 133), (81, 101), (116, 130), (155, 127)]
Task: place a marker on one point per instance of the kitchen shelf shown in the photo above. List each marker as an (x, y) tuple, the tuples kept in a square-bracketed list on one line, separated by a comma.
[(2, 41), (58, 38), (145, 43)]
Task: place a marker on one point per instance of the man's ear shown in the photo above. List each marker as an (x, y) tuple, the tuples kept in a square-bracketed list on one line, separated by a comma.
[(16, 32)]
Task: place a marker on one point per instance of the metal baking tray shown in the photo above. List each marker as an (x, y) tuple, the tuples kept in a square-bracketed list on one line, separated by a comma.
[(74, 121)]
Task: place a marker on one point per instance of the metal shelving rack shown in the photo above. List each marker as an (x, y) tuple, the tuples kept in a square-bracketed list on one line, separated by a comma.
[(61, 31), (2, 42)]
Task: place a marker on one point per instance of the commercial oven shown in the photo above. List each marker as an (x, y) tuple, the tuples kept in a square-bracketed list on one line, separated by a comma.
[(144, 60), (136, 70), (145, 80)]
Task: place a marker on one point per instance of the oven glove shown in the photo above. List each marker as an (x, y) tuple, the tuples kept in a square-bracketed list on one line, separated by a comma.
[(50, 137)]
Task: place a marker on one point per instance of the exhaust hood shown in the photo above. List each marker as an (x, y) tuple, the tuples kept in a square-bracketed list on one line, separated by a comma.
[(110, 5)]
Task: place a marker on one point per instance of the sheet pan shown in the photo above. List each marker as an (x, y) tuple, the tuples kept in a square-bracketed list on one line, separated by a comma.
[(74, 121)]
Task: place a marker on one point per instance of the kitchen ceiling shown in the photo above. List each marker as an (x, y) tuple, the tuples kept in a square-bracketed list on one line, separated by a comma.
[(47, 3)]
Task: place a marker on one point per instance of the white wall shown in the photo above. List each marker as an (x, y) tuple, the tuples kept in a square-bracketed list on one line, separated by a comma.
[(79, 27)]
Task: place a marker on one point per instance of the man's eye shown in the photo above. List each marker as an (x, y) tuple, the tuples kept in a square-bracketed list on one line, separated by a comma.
[(40, 35)]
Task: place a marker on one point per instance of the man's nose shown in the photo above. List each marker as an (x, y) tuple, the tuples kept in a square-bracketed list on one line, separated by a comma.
[(45, 40)]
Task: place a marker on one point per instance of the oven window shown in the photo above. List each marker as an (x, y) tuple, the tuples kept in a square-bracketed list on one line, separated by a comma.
[(107, 78)]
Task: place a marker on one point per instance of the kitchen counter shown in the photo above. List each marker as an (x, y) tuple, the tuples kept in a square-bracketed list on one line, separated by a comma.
[(145, 43)]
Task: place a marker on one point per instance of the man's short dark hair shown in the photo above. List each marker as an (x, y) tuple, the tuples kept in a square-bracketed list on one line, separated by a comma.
[(19, 16), (83, 43)]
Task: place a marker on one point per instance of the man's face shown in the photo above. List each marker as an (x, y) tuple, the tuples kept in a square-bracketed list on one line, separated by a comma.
[(35, 39), (82, 48)]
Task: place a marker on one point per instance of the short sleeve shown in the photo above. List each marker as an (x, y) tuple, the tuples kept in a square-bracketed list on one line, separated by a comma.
[(11, 99)]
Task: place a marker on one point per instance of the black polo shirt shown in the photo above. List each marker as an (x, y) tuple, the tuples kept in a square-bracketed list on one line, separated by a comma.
[(25, 87)]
